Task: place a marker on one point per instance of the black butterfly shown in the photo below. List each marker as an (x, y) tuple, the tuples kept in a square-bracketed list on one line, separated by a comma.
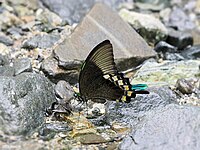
[(99, 79)]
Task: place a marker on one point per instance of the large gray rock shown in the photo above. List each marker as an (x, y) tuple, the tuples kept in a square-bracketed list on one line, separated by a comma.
[(23, 100), (102, 23), (171, 127), (130, 113)]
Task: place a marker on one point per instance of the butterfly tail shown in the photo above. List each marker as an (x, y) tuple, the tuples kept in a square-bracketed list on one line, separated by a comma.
[(140, 88)]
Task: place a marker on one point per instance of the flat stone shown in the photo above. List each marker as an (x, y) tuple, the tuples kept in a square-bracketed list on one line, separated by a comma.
[(22, 65), (166, 73), (41, 41), (91, 139), (99, 24), (147, 25), (170, 127), (179, 39)]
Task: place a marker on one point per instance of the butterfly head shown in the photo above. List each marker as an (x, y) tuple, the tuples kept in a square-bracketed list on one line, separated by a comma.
[(79, 97)]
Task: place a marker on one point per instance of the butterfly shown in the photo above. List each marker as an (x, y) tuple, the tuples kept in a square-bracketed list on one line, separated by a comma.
[(99, 79)]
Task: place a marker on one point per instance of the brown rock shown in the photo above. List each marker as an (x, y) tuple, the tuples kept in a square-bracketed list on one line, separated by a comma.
[(92, 139), (99, 24)]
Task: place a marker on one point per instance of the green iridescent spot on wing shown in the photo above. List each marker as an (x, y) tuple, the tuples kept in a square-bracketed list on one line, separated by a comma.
[(139, 87)]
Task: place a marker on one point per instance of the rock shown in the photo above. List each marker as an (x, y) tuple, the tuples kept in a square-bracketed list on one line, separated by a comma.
[(155, 5), (64, 90), (166, 73), (23, 102), (8, 19), (47, 17), (173, 56), (184, 86), (196, 36), (4, 60), (41, 41), (92, 139), (179, 19), (33, 4), (169, 127), (165, 14), (15, 32), (4, 50), (49, 130), (23, 10), (191, 52), (164, 47), (197, 9), (22, 65), (179, 39), (64, 94), (6, 40), (126, 42), (74, 11), (28, 26), (5, 68), (130, 113), (147, 25), (55, 73), (167, 51)]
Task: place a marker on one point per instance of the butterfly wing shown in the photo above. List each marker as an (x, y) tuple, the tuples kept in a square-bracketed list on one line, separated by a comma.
[(99, 62)]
